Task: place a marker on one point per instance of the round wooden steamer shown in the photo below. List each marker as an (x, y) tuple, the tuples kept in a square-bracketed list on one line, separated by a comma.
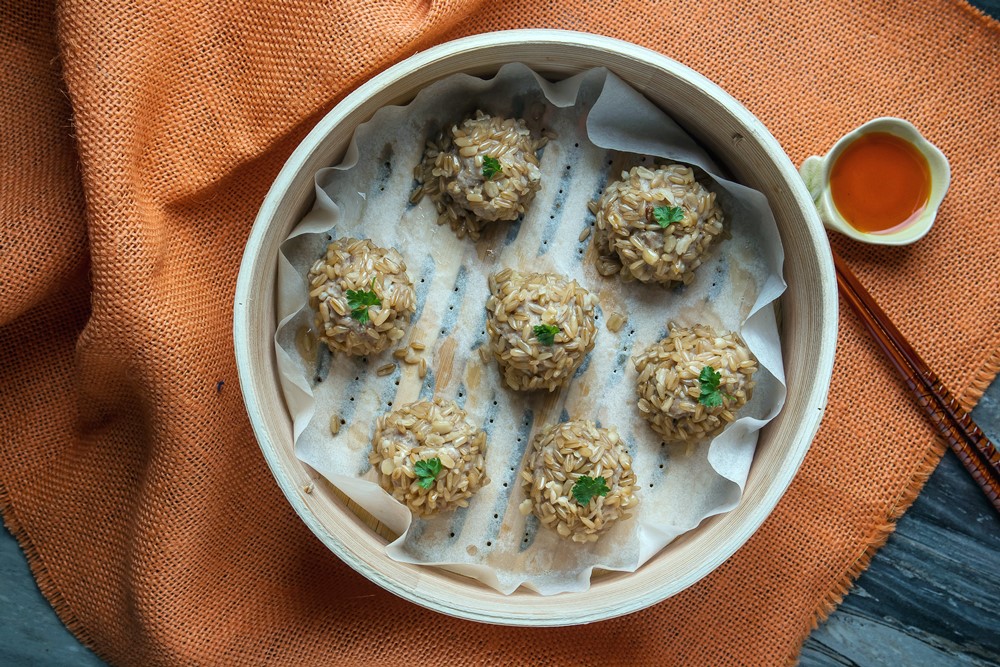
[(808, 316)]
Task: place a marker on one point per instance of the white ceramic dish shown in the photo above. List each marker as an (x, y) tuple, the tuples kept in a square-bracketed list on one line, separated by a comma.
[(809, 323), (816, 170)]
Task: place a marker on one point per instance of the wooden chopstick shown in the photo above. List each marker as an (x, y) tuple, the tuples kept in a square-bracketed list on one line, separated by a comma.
[(971, 446)]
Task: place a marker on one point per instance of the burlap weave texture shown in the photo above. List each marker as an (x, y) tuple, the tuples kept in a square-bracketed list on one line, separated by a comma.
[(138, 140)]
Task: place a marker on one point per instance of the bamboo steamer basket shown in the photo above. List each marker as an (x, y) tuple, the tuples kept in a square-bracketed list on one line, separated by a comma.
[(808, 326)]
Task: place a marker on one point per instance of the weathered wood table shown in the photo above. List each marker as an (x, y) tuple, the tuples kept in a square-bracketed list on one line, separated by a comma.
[(932, 594)]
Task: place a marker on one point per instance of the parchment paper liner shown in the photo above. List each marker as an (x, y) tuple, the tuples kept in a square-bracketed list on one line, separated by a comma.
[(603, 126)]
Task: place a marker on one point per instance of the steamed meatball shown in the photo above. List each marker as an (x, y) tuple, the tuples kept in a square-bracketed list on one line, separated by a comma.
[(362, 296), (655, 226), (692, 383), (578, 480), (429, 456), (541, 326), (481, 171)]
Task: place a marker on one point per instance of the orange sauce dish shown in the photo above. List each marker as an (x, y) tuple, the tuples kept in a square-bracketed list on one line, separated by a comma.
[(880, 182)]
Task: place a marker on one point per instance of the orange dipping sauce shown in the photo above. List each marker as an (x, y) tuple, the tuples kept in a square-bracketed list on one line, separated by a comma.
[(880, 182)]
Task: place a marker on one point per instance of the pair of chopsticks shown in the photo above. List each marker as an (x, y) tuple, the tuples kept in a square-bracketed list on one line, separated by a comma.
[(971, 446)]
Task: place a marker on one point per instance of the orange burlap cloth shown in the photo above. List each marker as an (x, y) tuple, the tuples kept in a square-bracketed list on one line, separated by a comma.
[(138, 140)]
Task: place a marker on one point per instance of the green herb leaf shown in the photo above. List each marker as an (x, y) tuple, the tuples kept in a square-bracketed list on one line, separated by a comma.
[(668, 215), (588, 487), (427, 471), (360, 300), (711, 395), (491, 167), (546, 333)]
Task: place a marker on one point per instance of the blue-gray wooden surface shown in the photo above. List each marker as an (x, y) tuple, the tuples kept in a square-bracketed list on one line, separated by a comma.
[(931, 596)]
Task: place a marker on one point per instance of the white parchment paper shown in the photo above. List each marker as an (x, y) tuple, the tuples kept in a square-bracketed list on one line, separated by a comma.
[(603, 127)]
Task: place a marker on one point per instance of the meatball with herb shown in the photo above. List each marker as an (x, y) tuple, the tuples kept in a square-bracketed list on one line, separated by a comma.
[(362, 296), (578, 480), (541, 327), (428, 456), (479, 172), (692, 383), (655, 225)]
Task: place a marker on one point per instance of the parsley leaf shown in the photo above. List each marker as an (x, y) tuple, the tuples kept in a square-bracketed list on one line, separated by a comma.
[(491, 167), (588, 487), (546, 333), (668, 215), (711, 395), (427, 471), (360, 300)]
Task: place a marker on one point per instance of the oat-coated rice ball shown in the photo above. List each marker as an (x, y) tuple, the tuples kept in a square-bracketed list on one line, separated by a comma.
[(362, 296), (414, 440), (655, 225), (480, 171), (560, 456), (674, 397), (541, 327)]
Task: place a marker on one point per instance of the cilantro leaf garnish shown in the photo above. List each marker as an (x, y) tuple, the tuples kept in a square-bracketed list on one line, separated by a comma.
[(588, 487), (546, 333), (360, 300), (427, 471), (667, 215), (711, 395), (491, 167)]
